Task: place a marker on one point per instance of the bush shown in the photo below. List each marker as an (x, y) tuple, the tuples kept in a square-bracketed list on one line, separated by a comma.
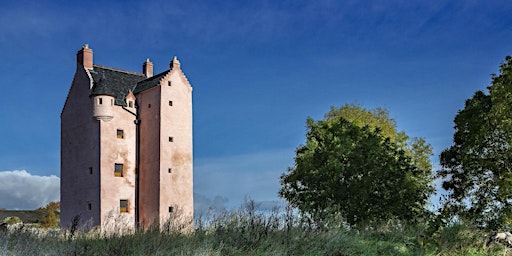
[(50, 219), (12, 220)]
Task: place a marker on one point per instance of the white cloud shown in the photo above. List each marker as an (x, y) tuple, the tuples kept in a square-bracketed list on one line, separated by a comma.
[(22, 190)]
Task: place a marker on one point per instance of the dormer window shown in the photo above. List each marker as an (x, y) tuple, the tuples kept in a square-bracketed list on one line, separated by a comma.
[(130, 104)]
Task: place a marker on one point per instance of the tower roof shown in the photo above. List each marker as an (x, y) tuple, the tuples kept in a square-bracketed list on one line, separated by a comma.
[(118, 83)]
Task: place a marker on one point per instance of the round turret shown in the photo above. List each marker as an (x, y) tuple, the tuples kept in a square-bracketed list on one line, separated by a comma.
[(103, 107)]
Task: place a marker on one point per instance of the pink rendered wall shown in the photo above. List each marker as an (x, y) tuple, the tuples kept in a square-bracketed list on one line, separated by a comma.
[(159, 188), (149, 114), (122, 151), (176, 188), (79, 153)]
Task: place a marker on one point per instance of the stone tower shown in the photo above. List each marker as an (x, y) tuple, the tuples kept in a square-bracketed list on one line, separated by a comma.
[(126, 145)]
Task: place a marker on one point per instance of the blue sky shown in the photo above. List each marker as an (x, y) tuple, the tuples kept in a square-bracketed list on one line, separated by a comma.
[(258, 68)]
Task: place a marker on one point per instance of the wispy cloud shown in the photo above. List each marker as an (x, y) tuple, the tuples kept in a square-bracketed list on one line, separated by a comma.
[(22, 190)]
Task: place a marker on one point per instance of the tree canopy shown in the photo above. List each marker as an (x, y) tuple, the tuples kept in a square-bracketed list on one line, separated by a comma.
[(352, 167), (477, 168)]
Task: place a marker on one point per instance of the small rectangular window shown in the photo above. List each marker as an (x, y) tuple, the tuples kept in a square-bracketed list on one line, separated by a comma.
[(90, 170), (130, 104), (168, 83), (170, 103), (123, 205), (171, 209), (89, 206), (149, 105), (100, 101), (112, 102), (169, 170), (120, 134), (118, 170), (171, 139)]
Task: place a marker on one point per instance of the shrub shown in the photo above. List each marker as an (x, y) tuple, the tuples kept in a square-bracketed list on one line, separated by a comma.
[(12, 220)]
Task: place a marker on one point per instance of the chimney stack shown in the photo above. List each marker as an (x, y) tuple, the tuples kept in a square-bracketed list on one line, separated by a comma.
[(147, 68), (175, 63), (84, 56)]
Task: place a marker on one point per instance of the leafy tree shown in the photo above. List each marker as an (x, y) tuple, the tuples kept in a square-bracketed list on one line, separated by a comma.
[(416, 148), (50, 217), (349, 167), (374, 118), (477, 168)]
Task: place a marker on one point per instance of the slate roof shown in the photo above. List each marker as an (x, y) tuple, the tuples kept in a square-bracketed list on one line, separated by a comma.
[(117, 83), (149, 83), (114, 82)]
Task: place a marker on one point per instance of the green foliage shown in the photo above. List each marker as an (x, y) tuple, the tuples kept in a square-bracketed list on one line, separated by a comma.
[(477, 168), (12, 220), (350, 168), (416, 148), (375, 119)]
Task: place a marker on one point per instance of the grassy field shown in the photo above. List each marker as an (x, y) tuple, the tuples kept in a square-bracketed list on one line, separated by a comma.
[(252, 232)]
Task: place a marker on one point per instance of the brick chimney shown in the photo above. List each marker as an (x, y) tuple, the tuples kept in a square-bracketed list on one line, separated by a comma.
[(84, 56), (147, 68)]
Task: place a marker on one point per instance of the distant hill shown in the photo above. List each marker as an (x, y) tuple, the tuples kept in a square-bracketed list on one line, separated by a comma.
[(26, 216)]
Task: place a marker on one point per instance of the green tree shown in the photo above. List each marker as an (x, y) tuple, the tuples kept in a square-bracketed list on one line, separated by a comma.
[(351, 167), (416, 148), (477, 168)]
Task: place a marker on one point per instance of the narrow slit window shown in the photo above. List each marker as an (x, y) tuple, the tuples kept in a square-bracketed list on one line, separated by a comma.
[(123, 205), (90, 170), (118, 170), (169, 170), (100, 101), (168, 83), (89, 206), (120, 134), (149, 105), (170, 103), (111, 102)]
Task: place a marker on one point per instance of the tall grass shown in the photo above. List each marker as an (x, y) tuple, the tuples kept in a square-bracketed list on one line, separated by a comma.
[(251, 231)]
